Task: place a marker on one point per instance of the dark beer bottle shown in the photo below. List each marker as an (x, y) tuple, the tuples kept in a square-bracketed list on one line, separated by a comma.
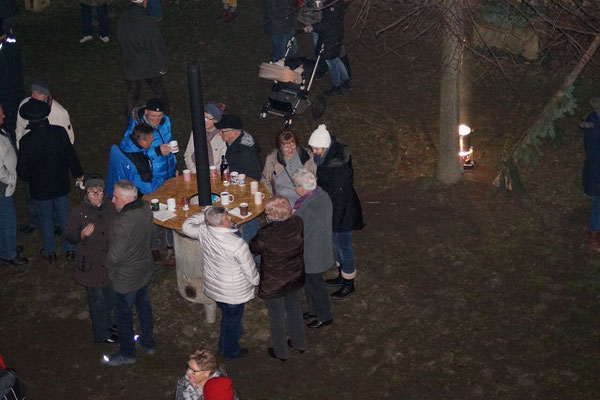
[(224, 169)]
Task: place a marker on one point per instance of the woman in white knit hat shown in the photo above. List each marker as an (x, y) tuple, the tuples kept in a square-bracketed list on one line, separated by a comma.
[(335, 176)]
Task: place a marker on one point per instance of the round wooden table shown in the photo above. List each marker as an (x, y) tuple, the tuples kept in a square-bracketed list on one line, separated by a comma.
[(177, 188), (188, 253)]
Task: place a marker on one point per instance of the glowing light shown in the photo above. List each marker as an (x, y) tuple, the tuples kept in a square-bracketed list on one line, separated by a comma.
[(105, 358), (136, 337), (463, 130)]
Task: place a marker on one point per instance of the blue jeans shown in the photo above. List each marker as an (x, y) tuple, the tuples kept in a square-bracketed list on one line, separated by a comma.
[(47, 209), (280, 45), (154, 8), (231, 329), (125, 302), (342, 245), (595, 215), (8, 228), (338, 71), (86, 19), (101, 302)]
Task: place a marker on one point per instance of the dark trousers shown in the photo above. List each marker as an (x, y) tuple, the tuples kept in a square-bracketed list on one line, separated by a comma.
[(231, 329), (86, 19), (101, 302), (317, 297), (157, 86), (125, 302), (282, 310), (32, 208)]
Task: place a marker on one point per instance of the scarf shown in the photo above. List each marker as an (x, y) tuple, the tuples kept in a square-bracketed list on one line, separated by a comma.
[(298, 202)]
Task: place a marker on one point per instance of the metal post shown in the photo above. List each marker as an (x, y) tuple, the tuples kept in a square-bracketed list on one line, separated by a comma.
[(199, 133)]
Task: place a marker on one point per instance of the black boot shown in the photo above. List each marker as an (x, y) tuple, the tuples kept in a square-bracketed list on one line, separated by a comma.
[(333, 91), (337, 281), (346, 290)]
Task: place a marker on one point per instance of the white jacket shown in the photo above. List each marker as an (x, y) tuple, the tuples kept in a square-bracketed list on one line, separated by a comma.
[(218, 146), (230, 274), (58, 116), (8, 167)]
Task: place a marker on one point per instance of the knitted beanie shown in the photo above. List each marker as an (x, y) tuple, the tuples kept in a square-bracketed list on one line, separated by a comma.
[(219, 388), (320, 137)]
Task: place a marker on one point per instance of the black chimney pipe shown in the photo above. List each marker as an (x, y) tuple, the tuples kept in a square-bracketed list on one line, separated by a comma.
[(199, 133)]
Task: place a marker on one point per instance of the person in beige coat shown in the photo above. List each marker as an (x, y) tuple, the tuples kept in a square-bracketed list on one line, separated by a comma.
[(230, 273), (281, 164), (216, 145)]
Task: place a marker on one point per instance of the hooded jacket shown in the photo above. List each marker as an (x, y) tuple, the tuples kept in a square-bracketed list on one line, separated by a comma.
[(129, 260), (130, 161), (335, 175), (162, 166), (242, 156), (229, 270)]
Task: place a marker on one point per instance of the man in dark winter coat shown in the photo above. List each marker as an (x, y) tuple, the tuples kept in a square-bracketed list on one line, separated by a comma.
[(130, 267), (144, 54), (591, 171), (335, 176), (242, 156), (46, 156), (279, 21)]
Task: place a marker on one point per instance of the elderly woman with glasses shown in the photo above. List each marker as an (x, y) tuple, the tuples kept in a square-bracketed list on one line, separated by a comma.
[(201, 367), (88, 228), (281, 246), (283, 162)]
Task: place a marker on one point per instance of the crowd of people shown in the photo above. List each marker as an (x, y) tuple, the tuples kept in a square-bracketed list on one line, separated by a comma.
[(110, 236)]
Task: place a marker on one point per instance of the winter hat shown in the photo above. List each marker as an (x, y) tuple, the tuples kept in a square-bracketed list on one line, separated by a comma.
[(34, 110), (229, 121), (219, 388), (94, 180), (320, 137), (155, 105), (40, 85), (214, 110)]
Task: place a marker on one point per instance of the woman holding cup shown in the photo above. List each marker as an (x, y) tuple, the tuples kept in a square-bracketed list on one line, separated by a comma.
[(216, 145), (282, 163)]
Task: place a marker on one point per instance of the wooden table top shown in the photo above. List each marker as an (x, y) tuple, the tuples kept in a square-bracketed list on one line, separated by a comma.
[(177, 188)]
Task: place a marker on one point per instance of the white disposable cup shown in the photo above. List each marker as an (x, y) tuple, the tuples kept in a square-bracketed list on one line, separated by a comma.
[(155, 204), (226, 198), (174, 146), (253, 187), (187, 175), (234, 178), (171, 204), (213, 171), (241, 180), (258, 197)]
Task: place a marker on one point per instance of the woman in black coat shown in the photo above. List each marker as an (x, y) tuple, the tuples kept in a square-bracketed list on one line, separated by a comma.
[(335, 176), (281, 245)]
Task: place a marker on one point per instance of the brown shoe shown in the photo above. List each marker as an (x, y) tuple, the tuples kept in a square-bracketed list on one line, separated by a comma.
[(156, 256), (170, 257)]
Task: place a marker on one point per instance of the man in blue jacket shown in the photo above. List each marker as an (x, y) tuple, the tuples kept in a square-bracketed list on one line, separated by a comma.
[(164, 163), (130, 161)]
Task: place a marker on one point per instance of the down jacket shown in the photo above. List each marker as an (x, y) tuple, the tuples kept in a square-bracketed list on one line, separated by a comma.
[(229, 270), (335, 175), (90, 254), (129, 259), (130, 161), (163, 167), (281, 246)]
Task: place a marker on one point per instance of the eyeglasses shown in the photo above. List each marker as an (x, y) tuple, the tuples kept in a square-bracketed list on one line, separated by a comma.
[(288, 145), (194, 372), (226, 131), (209, 119), (96, 192)]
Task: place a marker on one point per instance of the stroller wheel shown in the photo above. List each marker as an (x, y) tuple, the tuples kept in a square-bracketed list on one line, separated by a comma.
[(318, 107)]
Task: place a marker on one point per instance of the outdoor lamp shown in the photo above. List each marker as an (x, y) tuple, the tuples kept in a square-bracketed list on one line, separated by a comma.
[(465, 150)]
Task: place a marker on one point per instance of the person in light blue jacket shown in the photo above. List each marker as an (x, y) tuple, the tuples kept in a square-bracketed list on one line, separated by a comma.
[(130, 161), (163, 160)]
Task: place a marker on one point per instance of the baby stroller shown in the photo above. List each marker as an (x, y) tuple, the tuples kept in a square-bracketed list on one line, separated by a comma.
[(293, 78)]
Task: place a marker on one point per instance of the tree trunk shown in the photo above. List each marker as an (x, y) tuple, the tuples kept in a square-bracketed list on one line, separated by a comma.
[(449, 170)]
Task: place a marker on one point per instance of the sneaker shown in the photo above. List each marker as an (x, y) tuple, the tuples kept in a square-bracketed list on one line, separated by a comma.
[(85, 39), (70, 255), (51, 258), (15, 261), (347, 84), (104, 39), (117, 359), (113, 339), (148, 351), (333, 91)]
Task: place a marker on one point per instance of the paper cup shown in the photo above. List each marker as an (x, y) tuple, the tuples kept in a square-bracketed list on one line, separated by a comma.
[(253, 187), (171, 204), (154, 204)]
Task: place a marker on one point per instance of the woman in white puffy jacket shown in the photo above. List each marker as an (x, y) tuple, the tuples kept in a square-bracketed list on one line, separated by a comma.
[(230, 274)]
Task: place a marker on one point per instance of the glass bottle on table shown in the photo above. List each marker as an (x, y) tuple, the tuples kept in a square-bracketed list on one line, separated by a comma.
[(224, 169)]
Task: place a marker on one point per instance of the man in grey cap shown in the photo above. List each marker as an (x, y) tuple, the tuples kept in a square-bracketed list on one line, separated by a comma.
[(144, 54), (40, 90), (46, 156)]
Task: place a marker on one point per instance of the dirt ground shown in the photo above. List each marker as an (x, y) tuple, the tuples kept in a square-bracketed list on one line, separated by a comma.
[(463, 292)]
